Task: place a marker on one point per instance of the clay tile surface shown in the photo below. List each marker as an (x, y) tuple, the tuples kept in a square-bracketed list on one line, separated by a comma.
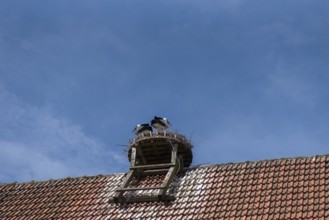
[(292, 188)]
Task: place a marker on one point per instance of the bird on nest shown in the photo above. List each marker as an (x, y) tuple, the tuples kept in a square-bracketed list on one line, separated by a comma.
[(142, 128), (160, 124)]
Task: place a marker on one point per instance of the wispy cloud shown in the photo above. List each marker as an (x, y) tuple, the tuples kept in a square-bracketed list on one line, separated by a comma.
[(241, 137), (294, 85), (36, 144)]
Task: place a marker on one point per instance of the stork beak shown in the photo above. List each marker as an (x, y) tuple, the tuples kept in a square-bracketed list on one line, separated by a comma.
[(167, 121), (136, 127)]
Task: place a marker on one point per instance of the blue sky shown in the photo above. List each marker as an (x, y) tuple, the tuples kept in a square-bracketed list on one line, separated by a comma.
[(246, 80)]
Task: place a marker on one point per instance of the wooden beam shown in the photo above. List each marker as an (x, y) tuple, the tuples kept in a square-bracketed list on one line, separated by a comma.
[(143, 173), (153, 166), (158, 146), (139, 188), (148, 198), (155, 172)]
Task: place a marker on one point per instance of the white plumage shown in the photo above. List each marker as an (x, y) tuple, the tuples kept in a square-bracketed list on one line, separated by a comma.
[(140, 128), (160, 123)]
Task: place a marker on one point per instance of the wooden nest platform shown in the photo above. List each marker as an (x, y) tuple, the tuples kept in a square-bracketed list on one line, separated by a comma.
[(153, 153), (156, 148)]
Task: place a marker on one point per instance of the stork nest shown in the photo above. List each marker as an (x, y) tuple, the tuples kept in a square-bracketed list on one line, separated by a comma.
[(172, 135), (156, 146)]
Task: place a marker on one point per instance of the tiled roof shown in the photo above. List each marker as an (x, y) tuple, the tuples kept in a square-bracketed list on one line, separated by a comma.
[(295, 188)]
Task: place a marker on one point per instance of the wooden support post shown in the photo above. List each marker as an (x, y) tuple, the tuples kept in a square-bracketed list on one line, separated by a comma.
[(133, 157), (118, 196), (141, 155), (171, 172), (173, 153)]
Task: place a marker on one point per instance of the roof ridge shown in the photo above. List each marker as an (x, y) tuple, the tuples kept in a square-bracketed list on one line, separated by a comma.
[(189, 168), (59, 179), (258, 161)]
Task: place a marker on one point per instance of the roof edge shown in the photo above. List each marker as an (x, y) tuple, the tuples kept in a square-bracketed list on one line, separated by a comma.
[(259, 161), (59, 179)]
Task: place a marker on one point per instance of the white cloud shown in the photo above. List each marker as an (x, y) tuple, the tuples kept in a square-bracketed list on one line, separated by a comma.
[(21, 162), (291, 84), (241, 138), (35, 144)]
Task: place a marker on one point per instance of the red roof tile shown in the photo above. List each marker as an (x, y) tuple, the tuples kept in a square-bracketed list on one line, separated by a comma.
[(295, 188)]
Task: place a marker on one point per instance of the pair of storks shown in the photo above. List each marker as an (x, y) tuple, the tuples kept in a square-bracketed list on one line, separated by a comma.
[(158, 123)]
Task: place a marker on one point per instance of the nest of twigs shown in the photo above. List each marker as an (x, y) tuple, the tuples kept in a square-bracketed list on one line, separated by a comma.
[(156, 147)]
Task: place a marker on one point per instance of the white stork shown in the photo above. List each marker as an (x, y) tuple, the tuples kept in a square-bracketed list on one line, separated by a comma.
[(160, 123), (141, 128)]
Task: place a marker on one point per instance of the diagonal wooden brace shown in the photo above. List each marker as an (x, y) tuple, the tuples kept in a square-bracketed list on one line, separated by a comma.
[(118, 196)]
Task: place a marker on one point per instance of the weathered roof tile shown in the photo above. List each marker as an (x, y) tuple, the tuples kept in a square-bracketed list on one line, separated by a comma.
[(296, 188)]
